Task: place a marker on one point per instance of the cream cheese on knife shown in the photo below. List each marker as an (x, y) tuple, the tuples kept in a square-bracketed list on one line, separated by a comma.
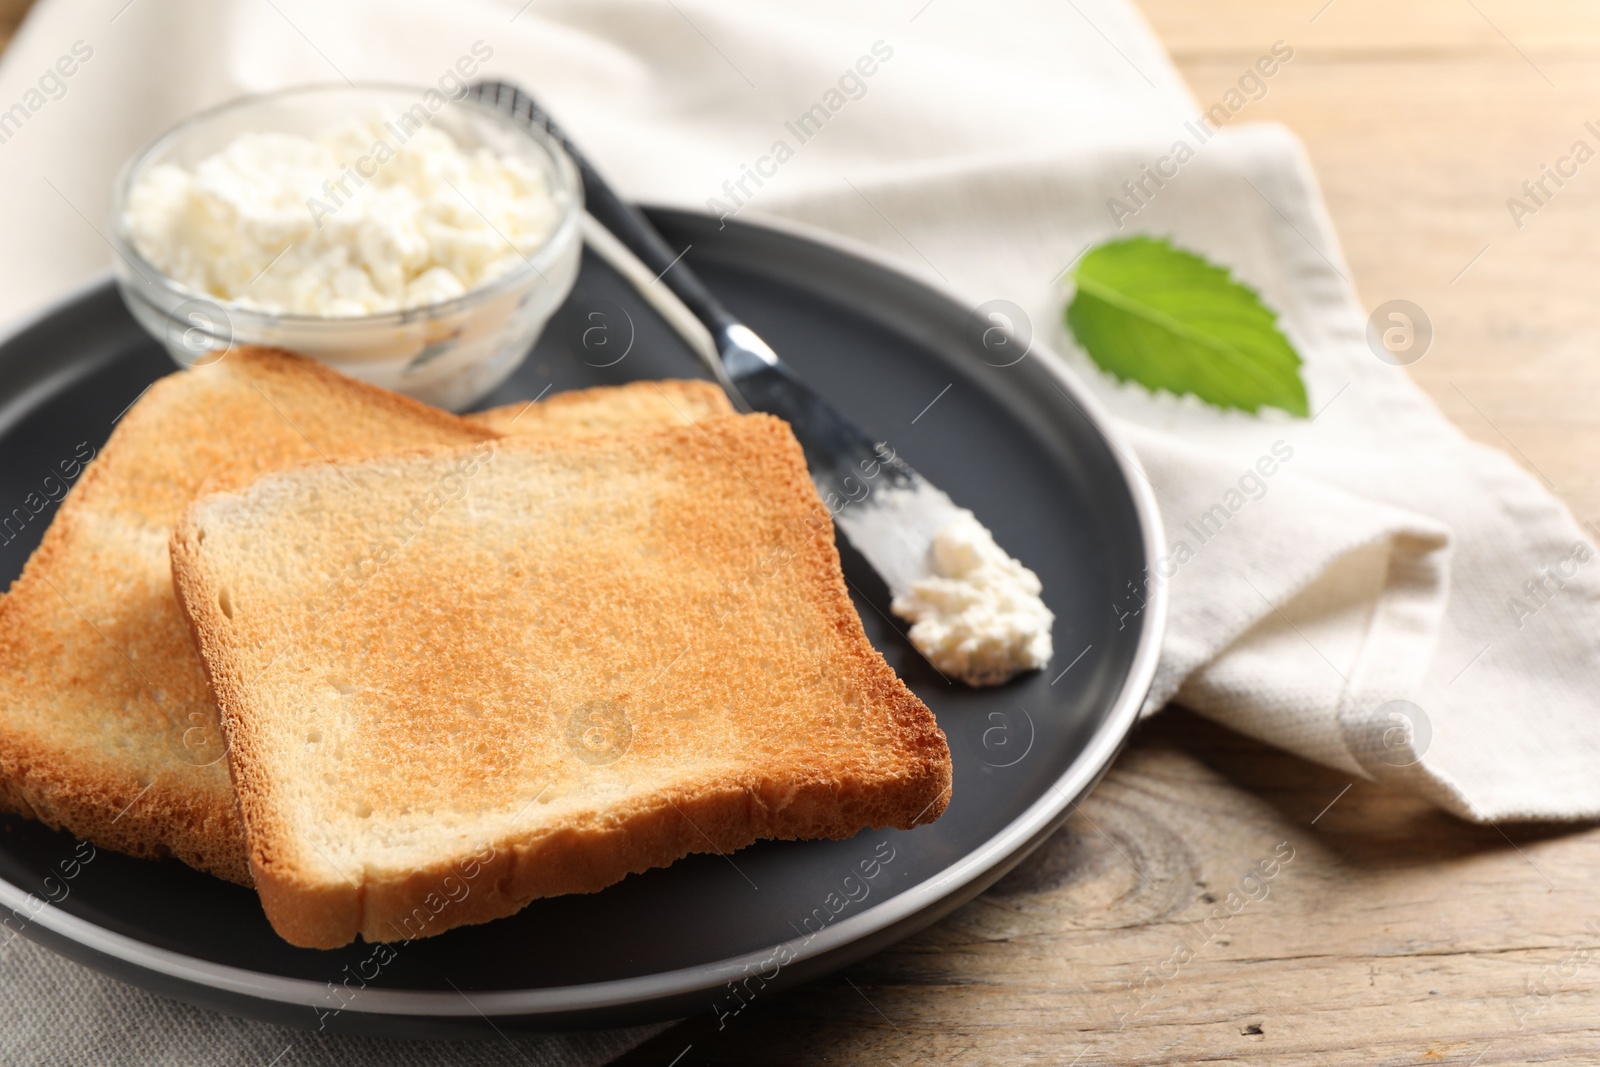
[(976, 613), (979, 615)]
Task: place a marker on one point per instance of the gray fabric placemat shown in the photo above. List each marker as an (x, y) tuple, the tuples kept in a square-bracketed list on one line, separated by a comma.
[(57, 1012)]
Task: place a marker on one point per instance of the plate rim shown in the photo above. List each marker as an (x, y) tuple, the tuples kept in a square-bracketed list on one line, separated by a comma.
[(1014, 839)]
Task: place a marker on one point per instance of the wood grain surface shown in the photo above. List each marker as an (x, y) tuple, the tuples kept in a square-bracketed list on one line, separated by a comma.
[(1217, 901)]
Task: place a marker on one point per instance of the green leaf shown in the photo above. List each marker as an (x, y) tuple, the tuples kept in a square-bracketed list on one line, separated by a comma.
[(1168, 319)]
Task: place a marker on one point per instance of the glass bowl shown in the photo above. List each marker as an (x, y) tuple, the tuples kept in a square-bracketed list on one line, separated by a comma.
[(449, 353)]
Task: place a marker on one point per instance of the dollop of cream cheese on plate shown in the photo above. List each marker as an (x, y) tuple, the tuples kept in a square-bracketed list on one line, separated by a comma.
[(355, 222), (979, 616)]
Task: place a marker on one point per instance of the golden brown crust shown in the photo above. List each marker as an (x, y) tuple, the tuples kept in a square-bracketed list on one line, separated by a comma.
[(610, 409), (775, 719), (112, 808), (501, 878)]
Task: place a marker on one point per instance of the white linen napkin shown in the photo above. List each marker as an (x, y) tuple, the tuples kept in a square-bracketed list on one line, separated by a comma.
[(1384, 558)]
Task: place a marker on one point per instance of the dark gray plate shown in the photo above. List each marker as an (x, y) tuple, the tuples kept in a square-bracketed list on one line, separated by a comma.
[(1021, 445)]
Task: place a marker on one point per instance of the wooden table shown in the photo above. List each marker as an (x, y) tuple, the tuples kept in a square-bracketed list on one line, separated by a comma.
[(1394, 934), (11, 12)]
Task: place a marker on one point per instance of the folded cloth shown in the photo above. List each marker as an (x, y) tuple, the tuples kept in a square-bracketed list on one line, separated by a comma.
[(57, 1012), (1390, 599)]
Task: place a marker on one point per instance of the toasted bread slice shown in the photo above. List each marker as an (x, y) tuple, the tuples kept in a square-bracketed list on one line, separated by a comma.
[(455, 683), (610, 408), (125, 749), (107, 727)]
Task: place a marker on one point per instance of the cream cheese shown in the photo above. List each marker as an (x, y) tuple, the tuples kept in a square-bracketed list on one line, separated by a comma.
[(343, 225), (979, 616)]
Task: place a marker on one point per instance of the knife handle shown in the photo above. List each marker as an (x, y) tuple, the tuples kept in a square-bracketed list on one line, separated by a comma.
[(625, 221)]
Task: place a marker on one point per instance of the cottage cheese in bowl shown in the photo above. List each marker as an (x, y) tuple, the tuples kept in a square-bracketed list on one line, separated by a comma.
[(421, 250), (288, 224)]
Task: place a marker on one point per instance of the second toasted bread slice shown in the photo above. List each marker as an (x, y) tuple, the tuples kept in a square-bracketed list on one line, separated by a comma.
[(610, 409), (457, 682)]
